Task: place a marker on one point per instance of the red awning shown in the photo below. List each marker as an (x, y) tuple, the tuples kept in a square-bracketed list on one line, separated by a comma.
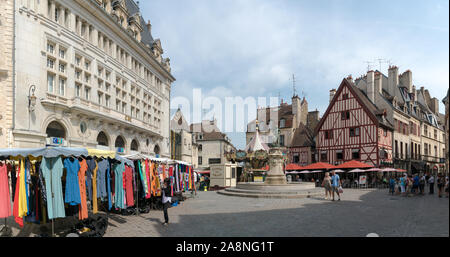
[(318, 166), (293, 166), (354, 165)]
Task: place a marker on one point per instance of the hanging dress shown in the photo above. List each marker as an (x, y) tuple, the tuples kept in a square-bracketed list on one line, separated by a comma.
[(103, 169), (118, 186), (17, 218), (149, 178), (94, 189), (5, 196), (128, 184), (72, 186), (52, 170), (83, 211)]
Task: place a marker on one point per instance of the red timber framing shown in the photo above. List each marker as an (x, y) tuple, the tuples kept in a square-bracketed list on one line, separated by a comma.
[(367, 137)]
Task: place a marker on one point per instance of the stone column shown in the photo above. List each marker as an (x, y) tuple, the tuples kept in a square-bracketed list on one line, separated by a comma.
[(95, 37), (52, 10), (62, 16), (43, 7), (78, 26), (276, 175), (113, 50), (100, 43)]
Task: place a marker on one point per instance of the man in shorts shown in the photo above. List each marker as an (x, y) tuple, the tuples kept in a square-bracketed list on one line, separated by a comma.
[(335, 184)]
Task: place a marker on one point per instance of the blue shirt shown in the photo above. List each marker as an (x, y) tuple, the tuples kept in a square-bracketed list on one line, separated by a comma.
[(416, 181), (392, 182), (402, 181), (335, 180)]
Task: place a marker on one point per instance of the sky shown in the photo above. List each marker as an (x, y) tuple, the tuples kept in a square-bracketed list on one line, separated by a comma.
[(251, 48)]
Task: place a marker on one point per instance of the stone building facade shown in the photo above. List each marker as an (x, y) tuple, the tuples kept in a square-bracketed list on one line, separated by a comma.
[(284, 118), (183, 143), (418, 141), (88, 73), (6, 71)]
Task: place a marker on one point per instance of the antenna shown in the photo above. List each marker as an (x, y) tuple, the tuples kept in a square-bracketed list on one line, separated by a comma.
[(379, 62), (369, 66)]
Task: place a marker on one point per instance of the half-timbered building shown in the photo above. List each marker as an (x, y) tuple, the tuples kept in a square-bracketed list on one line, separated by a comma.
[(353, 128)]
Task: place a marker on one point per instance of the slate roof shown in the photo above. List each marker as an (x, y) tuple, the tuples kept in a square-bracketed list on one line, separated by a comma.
[(303, 137), (146, 35)]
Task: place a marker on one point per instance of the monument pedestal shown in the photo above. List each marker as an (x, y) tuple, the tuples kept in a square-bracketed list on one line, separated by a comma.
[(275, 175)]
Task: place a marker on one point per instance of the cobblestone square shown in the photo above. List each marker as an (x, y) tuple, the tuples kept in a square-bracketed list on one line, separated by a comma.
[(359, 213)]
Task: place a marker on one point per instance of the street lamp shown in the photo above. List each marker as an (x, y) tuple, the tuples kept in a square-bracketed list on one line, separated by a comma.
[(31, 98)]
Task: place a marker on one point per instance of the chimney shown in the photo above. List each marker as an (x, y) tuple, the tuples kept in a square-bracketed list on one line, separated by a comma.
[(371, 86), (392, 80), (149, 26), (406, 80), (435, 105), (332, 94), (414, 92), (378, 83)]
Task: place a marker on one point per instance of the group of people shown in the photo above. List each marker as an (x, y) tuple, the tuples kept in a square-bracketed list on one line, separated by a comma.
[(416, 184), (332, 185)]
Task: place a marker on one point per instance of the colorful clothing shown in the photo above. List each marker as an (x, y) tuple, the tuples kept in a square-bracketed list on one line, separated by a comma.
[(5, 197), (83, 211), (119, 194), (94, 189), (52, 169), (103, 169), (72, 186), (128, 184)]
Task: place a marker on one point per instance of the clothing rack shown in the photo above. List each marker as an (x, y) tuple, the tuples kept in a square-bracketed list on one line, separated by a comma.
[(23, 154)]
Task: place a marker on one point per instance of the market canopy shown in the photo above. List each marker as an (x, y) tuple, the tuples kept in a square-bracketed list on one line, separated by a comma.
[(293, 166), (357, 171), (318, 166), (390, 170), (339, 171), (305, 172), (374, 169), (354, 165), (48, 152), (101, 153)]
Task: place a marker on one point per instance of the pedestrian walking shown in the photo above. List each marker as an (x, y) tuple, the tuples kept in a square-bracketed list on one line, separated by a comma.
[(416, 184), (335, 184), (392, 185), (422, 182), (326, 183), (403, 185), (440, 184), (166, 200), (431, 183)]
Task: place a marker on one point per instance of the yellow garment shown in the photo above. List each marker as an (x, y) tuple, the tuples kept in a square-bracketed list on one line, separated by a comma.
[(94, 189), (23, 208), (101, 153)]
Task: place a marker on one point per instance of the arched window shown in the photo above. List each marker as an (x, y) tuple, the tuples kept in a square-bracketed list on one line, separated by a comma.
[(134, 145), (102, 139), (55, 129), (120, 142), (156, 149)]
